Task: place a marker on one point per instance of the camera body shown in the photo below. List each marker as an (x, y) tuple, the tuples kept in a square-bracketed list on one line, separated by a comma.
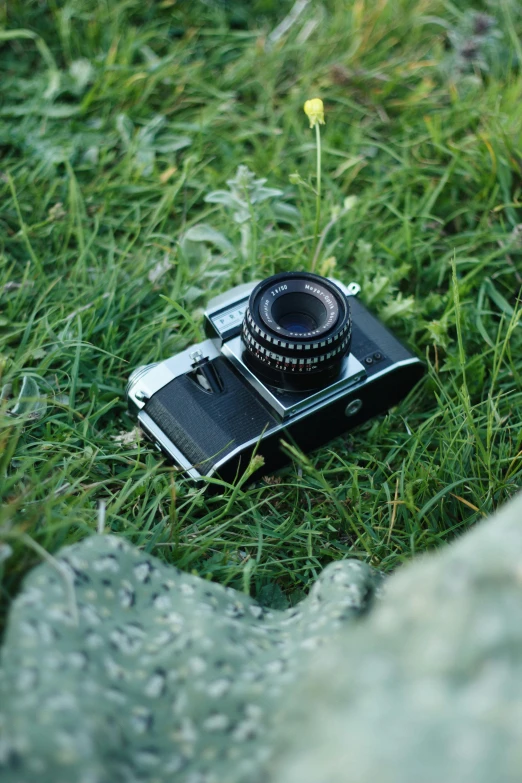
[(296, 357)]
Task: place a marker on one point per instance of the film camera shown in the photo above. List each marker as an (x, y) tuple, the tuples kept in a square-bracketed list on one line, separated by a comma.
[(295, 356)]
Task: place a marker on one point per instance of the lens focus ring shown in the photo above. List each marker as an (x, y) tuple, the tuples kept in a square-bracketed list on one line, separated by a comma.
[(297, 323)]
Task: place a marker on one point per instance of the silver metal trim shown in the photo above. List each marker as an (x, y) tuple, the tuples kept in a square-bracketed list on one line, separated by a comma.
[(352, 289), (301, 415), (142, 388), (353, 372), (229, 298), (159, 437), (137, 374)]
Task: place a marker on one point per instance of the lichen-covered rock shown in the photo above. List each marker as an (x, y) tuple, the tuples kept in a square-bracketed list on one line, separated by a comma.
[(428, 688)]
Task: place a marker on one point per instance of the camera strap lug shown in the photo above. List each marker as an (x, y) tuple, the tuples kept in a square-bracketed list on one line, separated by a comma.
[(353, 289)]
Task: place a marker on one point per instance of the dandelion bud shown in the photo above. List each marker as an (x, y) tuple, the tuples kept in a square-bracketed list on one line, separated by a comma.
[(314, 110)]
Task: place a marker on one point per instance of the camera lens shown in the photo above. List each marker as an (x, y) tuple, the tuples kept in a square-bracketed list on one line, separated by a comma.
[(297, 331)]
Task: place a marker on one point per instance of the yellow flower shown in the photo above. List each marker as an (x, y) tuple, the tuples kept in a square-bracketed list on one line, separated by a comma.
[(314, 110)]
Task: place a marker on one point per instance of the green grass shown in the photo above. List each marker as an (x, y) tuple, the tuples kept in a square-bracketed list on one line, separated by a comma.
[(116, 120)]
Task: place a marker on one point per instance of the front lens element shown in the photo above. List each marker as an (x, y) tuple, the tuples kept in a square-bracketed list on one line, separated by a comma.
[(299, 313), (297, 330)]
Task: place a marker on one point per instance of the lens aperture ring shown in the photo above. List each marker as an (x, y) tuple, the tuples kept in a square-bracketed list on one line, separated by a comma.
[(300, 363)]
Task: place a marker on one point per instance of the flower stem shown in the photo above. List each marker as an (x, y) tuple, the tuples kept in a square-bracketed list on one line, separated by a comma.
[(317, 194)]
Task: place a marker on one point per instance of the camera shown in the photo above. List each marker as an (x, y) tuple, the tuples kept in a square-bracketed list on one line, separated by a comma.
[(294, 357)]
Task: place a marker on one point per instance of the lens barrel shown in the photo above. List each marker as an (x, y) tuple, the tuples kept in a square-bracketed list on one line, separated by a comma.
[(297, 331)]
